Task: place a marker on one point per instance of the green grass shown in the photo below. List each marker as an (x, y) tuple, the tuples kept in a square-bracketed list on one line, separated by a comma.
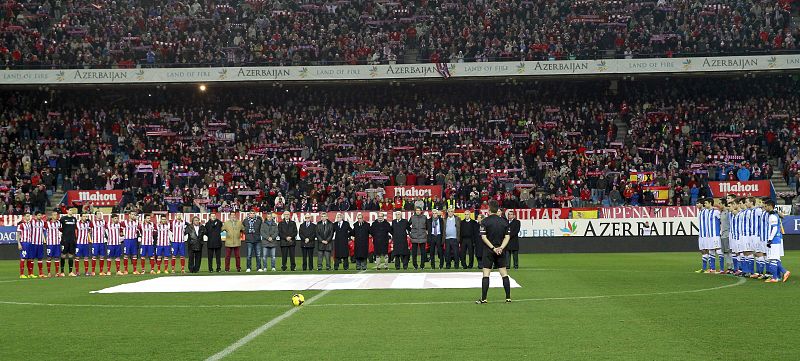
[(649, 317)]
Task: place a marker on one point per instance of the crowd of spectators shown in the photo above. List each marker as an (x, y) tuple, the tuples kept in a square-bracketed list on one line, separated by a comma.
[(532, 144), (128, 33)]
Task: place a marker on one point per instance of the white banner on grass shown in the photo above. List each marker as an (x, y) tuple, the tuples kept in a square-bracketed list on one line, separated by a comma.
[(361, 281)]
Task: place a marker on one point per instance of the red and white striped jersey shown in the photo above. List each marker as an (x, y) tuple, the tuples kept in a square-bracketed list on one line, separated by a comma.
[(99, 231), (37, 232), (84, 231), (178, 230), (163, 234), (114, 234), (129, 229), (24, 229), (53, 232), (147, 233)]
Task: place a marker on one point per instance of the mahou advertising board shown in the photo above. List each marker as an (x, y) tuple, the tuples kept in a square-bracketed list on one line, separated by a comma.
[(760, 188), (100, 198), (413, 191)]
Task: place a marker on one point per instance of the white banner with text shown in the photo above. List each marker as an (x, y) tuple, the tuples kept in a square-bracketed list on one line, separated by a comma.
[(611, 227), (402, 71)]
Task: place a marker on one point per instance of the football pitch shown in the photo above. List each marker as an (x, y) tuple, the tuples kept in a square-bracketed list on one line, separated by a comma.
[(625, 306)]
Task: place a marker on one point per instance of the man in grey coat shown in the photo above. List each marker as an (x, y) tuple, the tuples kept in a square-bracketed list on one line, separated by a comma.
[(252, 237), (725, 230), (419, 235), (269, 239), (324, 241)]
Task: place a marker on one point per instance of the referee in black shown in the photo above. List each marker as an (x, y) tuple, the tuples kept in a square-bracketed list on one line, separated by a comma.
[(495, 235)]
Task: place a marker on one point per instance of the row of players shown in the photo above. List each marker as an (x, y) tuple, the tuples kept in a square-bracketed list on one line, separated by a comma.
[(58, 239), (65, 240), (747, 232)]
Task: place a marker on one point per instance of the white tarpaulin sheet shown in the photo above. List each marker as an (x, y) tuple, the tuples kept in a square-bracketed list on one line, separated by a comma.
[(362, 281)]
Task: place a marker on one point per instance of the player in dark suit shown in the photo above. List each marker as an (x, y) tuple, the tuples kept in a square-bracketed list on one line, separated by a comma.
[(195, 233), (287, 232), (360, 235), (308, 236), (435, 226), (214, 244), (380, 231), (341, 238), (495, 236), (477, 241), (469, 229), (400, 252), (512, 254), (324, 241)]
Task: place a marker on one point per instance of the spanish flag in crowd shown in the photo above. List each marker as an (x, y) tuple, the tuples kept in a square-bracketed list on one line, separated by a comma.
[(584, 213)]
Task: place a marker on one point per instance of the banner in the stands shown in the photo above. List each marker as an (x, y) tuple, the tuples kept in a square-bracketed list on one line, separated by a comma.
[(648, 212), (660, 193), (8, 235), (402, 71), (791, 225), (613, 227), (413, 192), (585, 213), (350, 216), (785, 209), (760, 188), (95, 197), (555, 227)]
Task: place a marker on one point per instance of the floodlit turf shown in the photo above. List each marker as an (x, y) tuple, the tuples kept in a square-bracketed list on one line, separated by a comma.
[(645, 306)]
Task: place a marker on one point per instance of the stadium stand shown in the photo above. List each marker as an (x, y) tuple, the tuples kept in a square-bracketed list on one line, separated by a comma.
[(293, 147), (123, 34)]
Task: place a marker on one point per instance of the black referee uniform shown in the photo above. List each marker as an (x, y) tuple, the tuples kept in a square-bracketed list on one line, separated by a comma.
[(495, 229)]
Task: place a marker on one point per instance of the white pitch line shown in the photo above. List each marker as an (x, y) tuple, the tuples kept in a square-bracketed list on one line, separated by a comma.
[(263, 328), (740, 282)]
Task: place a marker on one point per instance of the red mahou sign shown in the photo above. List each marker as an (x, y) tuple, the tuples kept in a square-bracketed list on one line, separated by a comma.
[(101, 198), (413, 191)]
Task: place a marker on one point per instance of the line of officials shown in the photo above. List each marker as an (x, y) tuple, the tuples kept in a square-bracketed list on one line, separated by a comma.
[(446, 236)]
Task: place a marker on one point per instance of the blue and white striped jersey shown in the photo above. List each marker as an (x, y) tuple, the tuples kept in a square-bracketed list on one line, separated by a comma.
[(742, 221), (701, 222), (775, 229), (715, 221), (747, 227), (709, 223)]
